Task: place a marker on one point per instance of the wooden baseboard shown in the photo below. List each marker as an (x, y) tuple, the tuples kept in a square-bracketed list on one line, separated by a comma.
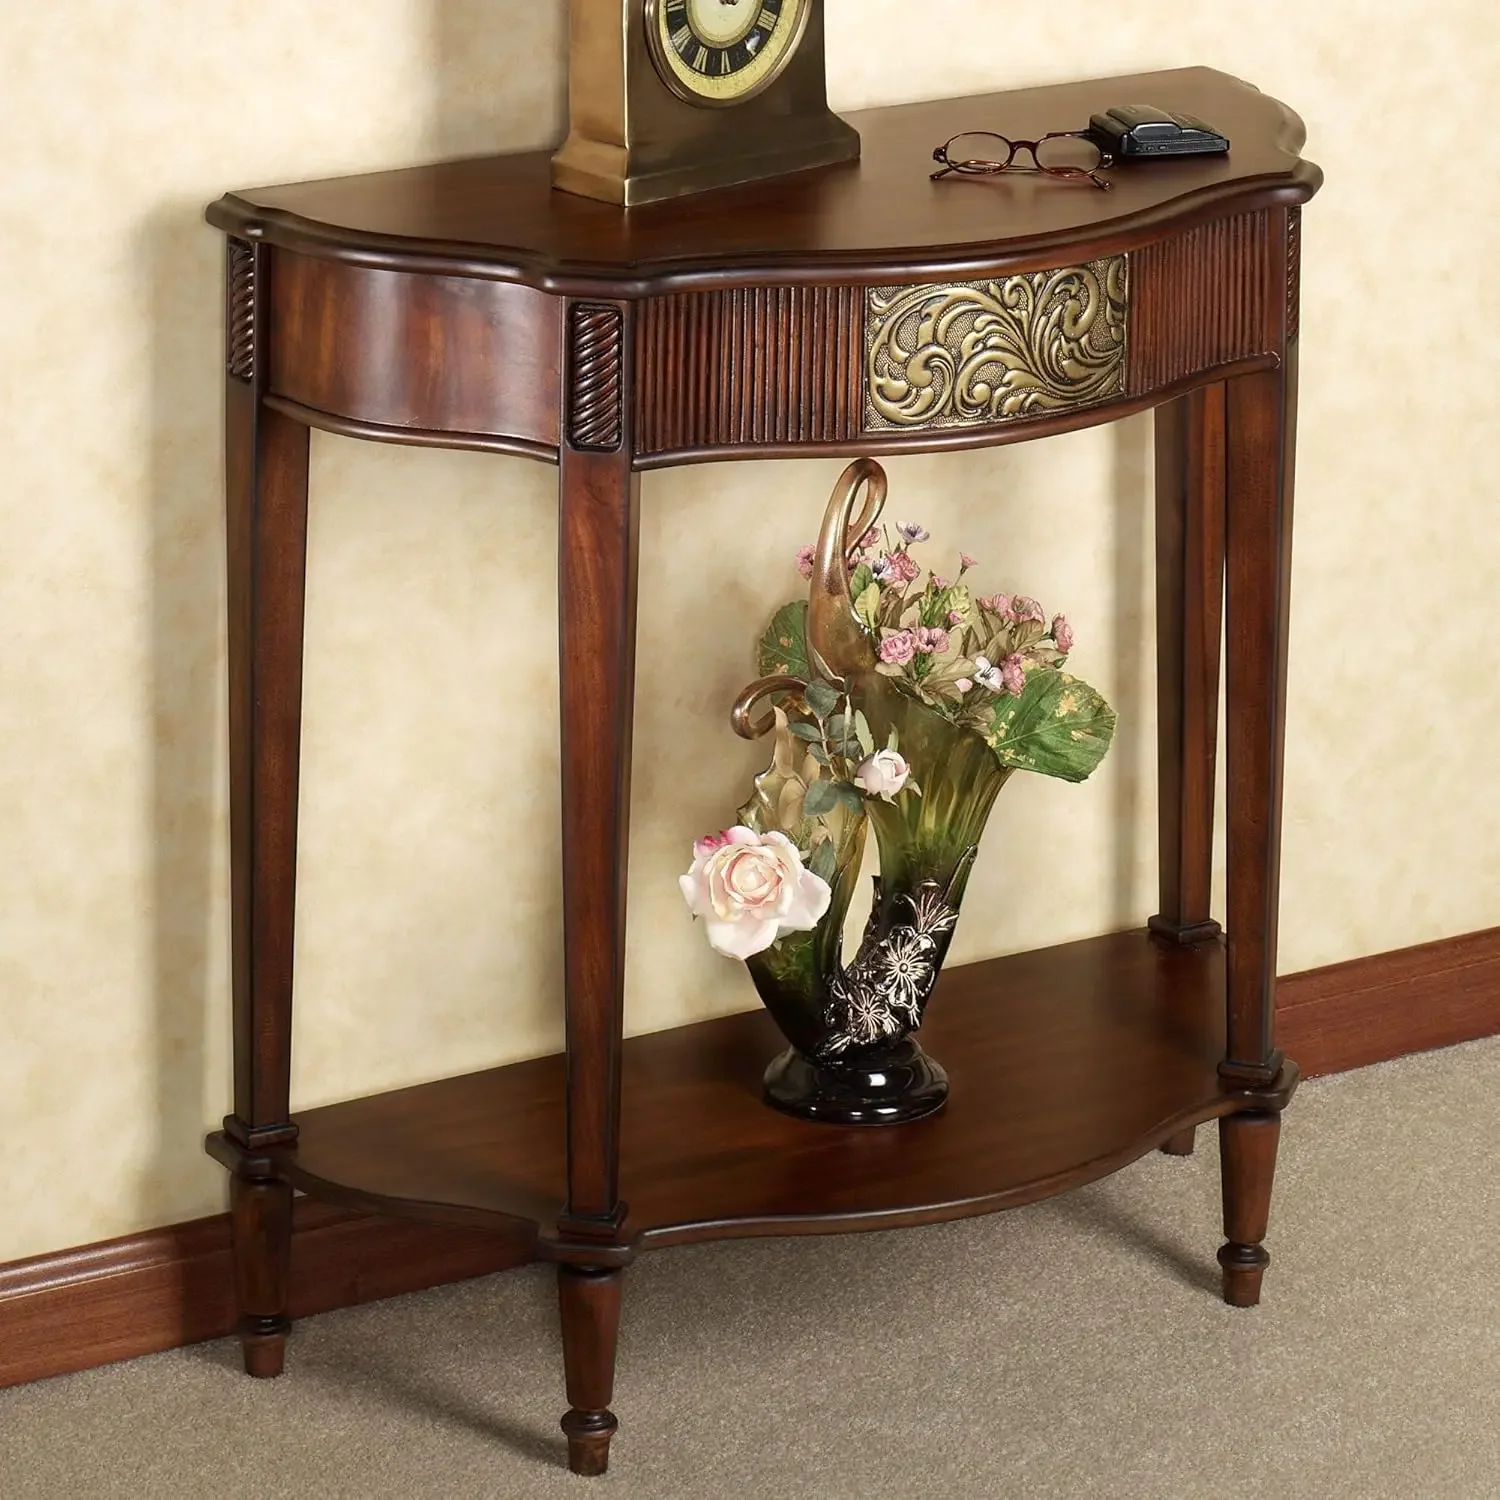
[(1374, 1009), (168, 1287)]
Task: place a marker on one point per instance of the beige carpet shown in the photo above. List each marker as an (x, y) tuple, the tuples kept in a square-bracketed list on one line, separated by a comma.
[(1070, 1350)]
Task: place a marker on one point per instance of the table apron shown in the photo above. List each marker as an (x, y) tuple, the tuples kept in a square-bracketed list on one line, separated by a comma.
[(742, 371)]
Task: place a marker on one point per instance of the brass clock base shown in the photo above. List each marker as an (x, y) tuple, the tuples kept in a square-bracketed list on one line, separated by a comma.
[(595, 169)]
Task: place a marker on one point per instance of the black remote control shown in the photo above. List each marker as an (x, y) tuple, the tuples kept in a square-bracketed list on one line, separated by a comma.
[(1132, 131)]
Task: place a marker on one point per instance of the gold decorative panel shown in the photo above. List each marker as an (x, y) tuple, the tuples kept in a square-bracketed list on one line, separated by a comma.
[(972, 353)]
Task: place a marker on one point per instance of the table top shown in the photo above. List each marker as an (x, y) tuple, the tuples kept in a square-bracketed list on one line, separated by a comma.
[(498, 217)]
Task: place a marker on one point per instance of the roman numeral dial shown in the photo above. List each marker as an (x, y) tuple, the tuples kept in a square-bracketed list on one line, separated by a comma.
[(723, 51)]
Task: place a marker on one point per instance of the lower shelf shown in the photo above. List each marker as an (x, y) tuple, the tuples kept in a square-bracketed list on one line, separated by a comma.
[(1065, 1063)]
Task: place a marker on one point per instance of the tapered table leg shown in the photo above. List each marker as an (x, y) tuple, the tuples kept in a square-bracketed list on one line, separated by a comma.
[(1189, 644), (1260, 438), (1261, 412), (266, 457), (1248, 1146), (590, 1305), (597, 564), (597, 556), (261, 1224), (1190, 481)]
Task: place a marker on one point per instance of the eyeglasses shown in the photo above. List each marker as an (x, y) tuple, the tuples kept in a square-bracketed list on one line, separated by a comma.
[(1070, 154)]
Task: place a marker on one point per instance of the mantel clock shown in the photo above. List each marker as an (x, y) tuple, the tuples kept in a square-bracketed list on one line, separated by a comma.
[(669, 97)]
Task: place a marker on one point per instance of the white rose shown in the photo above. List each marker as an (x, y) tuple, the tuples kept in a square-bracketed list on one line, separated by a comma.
[(882, 774), (750, 888)]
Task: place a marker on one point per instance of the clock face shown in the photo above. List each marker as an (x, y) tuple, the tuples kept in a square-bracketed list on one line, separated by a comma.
[(723, 51)]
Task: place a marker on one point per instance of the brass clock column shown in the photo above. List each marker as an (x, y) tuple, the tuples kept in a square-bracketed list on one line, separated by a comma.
[(668, 97)]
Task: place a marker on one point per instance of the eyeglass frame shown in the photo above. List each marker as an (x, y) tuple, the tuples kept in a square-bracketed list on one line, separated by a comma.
[(994, 169)]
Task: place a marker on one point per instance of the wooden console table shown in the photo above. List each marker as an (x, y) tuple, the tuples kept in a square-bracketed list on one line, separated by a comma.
[(467, 305)]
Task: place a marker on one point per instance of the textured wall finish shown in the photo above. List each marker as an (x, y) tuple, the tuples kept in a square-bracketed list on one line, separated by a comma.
[(429, 933)]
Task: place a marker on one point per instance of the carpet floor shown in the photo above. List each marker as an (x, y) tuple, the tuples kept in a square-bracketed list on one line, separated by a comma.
[(1069, 1350)]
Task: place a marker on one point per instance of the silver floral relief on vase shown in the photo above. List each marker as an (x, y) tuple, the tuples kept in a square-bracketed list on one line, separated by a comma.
[(973, 353), (880, 997)]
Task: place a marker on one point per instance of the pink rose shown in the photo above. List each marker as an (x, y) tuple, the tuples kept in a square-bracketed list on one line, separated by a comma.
[(882, 774), (751, 889), (931, 638), (870, 540), (938, 584), (805, 561), (955, 619), (965, 562), (1013, 676), (1062, 634), (1024, 609), (964, 685), (898, 649), (997, 604)]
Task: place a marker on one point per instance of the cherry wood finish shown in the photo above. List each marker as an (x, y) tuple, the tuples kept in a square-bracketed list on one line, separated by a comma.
[(1247, 1143), (468, 305), (1260, 422), (496, 217), (701, 1157), (597, 549), (440, 351), (77, 1308), (1189, 624), (260, 1212), (589, 1301)]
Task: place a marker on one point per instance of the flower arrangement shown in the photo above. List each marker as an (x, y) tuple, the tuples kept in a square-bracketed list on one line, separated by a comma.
[(991, 664)]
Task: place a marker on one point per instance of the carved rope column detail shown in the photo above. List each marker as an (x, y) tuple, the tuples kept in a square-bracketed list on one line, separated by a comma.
[(240, 311), (974, 353), (596, 382)]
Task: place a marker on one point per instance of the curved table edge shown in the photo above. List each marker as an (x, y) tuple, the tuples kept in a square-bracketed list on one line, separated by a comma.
[(238, 216)]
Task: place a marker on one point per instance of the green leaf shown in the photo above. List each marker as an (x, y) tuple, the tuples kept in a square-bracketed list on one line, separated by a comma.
[(818, 753), (805, 731), (862, 729), (825, 860), (861, 579), (867, 605), (821, 698), (821, 798), (783, 648), (850, 795), (1059, 726)]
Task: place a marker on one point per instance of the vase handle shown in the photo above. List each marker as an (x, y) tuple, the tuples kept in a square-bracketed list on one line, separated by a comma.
[(739, 716), (838, 642)]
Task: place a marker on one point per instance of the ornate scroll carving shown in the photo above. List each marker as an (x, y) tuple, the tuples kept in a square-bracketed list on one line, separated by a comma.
[(240, 313), (973, 353), (596, 377), (1293, 272)]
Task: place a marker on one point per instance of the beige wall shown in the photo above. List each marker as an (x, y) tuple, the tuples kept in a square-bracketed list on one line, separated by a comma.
[(429, 930)]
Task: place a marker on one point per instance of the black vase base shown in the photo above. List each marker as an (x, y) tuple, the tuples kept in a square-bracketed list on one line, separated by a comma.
[(903, 1085)]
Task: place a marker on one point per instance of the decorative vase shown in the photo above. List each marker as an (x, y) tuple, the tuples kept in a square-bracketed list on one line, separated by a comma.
[(868, 661), (853, 1059)]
